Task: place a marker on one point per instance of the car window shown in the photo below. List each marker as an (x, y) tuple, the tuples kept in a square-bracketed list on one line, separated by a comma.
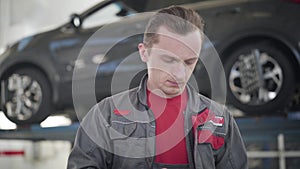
[(103, 16)]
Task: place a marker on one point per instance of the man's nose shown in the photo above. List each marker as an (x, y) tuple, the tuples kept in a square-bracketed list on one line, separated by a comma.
[(179, 72)]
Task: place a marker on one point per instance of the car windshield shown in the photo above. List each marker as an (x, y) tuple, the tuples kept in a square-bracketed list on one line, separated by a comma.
[(150, 5), (107, 14)]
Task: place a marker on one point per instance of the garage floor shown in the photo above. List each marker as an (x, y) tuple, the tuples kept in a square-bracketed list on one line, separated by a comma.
[(17, 154)]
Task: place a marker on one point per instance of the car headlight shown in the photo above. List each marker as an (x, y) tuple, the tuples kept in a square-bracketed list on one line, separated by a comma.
[(3, 49)]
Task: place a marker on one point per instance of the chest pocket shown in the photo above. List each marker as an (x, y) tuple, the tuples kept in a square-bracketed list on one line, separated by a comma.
[(122, 130), (209, 129), (128, 139), (209, 134)]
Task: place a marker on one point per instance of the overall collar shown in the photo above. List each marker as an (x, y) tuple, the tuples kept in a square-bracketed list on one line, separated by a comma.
[(194, 104)]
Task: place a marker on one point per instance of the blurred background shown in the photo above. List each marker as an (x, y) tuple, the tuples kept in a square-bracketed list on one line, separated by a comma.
[(258, 42)]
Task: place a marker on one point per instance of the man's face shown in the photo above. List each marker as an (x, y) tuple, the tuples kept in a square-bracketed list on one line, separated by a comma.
[(171, 61)]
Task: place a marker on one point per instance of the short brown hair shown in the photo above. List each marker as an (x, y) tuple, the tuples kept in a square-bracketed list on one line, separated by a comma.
[(177, 19)]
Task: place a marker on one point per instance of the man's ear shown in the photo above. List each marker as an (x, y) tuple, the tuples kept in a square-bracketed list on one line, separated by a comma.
[(143, 52)]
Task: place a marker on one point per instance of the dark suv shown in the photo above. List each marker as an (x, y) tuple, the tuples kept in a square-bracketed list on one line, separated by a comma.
[(257, 41)]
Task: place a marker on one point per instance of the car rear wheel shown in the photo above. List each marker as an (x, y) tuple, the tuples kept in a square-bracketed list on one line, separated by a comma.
[(260, 78), (26, 96)]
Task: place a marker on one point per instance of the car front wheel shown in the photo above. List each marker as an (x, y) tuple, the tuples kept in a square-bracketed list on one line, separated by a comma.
[(26, 96), (260, 78)]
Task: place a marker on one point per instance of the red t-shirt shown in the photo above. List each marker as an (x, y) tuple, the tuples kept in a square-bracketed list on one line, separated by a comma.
[(170, 138)]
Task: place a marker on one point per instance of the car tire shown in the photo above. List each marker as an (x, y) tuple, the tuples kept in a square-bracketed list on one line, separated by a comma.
[(27, 96), (259, 86)]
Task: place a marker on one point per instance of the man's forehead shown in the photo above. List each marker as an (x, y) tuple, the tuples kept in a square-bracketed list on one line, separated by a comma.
[(173, 42), (167, 53), (189, 41)]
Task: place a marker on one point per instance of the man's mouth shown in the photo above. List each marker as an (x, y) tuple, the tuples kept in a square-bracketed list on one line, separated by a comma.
[(174, 83)]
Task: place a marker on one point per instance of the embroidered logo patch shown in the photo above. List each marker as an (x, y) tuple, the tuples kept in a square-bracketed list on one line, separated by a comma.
[(121, 112), (207, 117)]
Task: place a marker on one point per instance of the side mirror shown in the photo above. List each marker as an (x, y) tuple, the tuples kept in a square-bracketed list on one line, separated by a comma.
[(76, 20)]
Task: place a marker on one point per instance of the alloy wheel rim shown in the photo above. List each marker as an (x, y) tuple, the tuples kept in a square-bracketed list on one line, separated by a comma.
[(255, 78), (25, 97)]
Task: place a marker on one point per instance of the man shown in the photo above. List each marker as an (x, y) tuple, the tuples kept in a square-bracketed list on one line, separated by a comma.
[(163, 123)]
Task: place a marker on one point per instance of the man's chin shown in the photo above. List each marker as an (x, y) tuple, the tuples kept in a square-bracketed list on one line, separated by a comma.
[(173, 92)]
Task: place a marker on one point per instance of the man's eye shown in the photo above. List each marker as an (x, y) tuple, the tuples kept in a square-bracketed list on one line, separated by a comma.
[(168, 60), (190, 62)]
